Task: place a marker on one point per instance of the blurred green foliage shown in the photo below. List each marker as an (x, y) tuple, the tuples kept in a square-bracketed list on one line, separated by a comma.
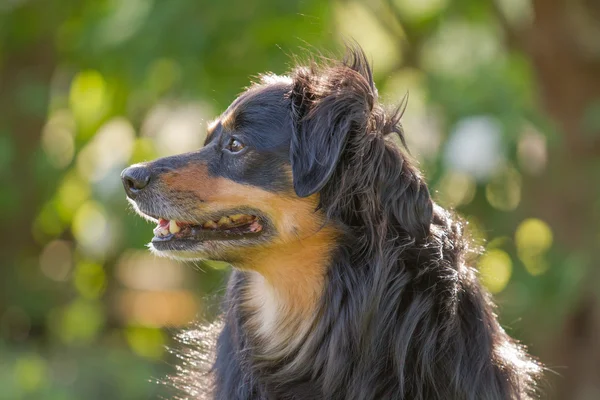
[(89, 87)]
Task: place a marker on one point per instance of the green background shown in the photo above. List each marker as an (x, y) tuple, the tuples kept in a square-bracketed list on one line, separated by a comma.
[(503, 117)]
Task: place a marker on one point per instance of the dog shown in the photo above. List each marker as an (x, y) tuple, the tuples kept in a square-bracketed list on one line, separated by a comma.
[(349, 282)]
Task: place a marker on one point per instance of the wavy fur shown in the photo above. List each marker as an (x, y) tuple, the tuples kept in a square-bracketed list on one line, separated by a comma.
[(402, 315)]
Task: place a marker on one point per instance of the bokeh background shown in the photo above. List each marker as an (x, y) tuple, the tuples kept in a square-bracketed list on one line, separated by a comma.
[(503, 116)]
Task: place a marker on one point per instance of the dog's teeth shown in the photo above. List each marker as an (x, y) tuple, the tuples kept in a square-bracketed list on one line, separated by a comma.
[(163, 231), (210, 225), (236, 217), (173, 227), (224, 222), (240, 218)]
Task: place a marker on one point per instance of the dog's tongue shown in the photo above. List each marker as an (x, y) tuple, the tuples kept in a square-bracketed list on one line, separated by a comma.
[(163, 223)]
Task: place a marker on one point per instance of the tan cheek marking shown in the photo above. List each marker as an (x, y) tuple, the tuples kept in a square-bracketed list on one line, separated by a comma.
[(291, 215), (187, 179), (285, 286), (297, 269)]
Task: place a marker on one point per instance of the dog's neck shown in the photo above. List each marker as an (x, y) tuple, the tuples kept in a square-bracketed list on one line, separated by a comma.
[(285, 284)]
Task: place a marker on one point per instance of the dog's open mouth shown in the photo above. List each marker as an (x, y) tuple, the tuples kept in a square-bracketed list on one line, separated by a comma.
[(227, 227)]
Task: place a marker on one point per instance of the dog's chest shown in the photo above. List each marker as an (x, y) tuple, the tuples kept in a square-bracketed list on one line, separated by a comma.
[(274, 321)]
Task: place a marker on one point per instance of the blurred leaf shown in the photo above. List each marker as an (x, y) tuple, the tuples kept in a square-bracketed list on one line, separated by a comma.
[(30, 372), (145, 341), (80, 322), (495, 269)]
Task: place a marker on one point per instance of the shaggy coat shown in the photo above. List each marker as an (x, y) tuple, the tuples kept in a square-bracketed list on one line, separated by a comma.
[(400, 313)]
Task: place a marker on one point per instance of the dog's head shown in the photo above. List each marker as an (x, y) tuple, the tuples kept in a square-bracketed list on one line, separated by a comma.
[(259, 180)]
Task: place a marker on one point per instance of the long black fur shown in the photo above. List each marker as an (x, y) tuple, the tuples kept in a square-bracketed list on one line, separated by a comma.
[(403, 315)]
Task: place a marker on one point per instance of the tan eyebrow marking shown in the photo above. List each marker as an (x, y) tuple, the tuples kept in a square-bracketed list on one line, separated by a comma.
[(212, 125), (228, 120)]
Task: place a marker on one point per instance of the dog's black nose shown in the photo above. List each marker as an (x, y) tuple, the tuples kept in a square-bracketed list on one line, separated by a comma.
[(135, 179)]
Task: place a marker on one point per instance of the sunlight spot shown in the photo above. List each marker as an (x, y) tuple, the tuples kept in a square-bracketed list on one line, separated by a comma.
[(498, 242), (89, 279), (176, 128), (81, 321), (354, 19), (71, 194), (89, 98), (126, 18), (495, 269), (78, 322), (47, 223), (533, 239), (535, 265), (503, 192), (456, 189), (531, 151), (30, 372), (420, 10), (517, 12), (109, 150), (460, 47), (58, 138), (142, 271), (146, 342), (515, 355), (533, 236), (157, 308), (56, 260), (91, 228), (475, 147)]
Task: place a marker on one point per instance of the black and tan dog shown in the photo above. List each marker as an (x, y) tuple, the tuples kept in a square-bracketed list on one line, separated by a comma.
[(349, 282)]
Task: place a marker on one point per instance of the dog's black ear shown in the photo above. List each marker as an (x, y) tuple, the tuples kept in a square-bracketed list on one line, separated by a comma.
[(328, 106)]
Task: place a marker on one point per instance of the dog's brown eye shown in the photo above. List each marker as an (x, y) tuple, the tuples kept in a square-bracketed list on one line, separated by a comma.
[(235, 145)]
